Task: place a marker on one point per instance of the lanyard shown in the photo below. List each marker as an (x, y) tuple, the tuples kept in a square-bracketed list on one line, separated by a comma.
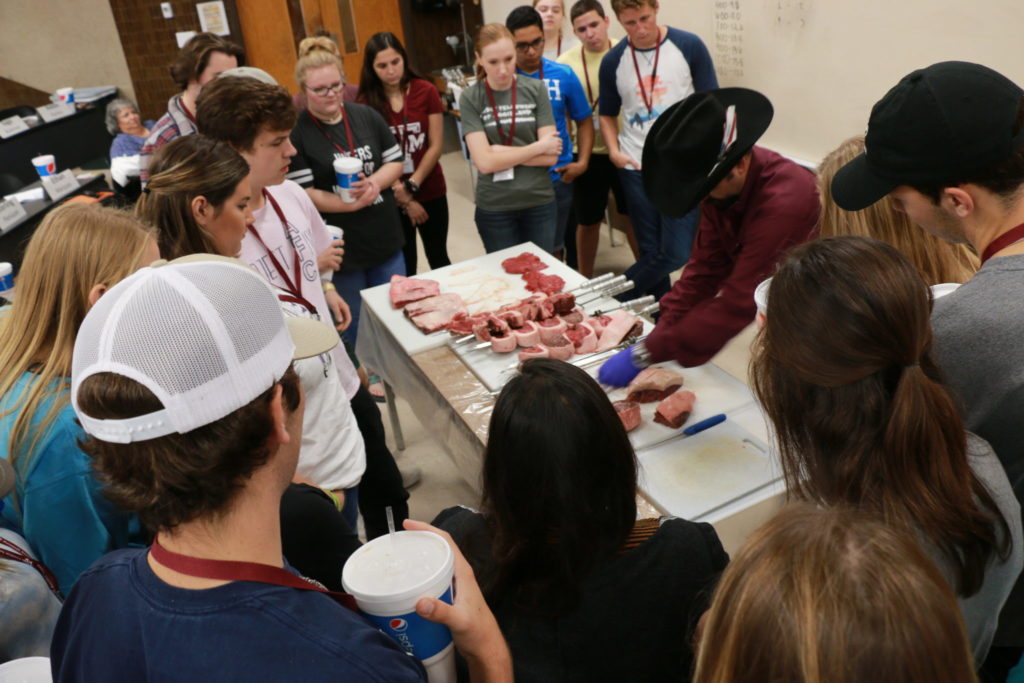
[(348, 133), (404, 113), (293, 287), (494, 109), (188, 114), (586, 78), (10, 551), (1006, 239), (231, 570), (649, 103)]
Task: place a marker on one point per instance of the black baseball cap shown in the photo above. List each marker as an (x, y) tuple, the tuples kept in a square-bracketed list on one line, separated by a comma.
[(687, 151), (937, 125)]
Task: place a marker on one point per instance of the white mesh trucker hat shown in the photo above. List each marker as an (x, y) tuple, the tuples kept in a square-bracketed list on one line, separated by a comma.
[(204, 333)]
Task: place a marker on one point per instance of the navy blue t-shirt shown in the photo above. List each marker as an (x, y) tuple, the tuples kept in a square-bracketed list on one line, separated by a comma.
[(122, 623)]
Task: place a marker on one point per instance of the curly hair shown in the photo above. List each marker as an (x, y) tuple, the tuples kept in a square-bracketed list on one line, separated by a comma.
[(236, 109)]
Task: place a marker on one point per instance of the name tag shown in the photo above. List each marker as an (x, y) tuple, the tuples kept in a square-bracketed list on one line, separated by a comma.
[(60, 184), (11, 213), (408, 166), (507, 174), (57, 110), (12, 125)]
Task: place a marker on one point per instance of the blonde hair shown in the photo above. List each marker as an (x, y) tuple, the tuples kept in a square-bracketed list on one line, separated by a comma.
[(488, 34), (832, 595), (75, 248), (937, 260), (315, 52)]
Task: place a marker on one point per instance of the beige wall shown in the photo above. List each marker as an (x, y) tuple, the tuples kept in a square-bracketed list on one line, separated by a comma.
[(49, 44)]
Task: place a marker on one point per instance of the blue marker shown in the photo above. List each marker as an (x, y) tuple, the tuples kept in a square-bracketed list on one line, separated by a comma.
[(704, 424)]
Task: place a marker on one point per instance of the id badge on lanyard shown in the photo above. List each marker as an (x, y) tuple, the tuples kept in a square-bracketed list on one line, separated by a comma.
[(507, 174)]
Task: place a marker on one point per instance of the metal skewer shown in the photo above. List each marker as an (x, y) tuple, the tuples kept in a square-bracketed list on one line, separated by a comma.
[(631, 305)]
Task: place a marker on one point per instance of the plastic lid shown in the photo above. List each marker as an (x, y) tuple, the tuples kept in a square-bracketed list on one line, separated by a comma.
[(6, 269), (383, 570)]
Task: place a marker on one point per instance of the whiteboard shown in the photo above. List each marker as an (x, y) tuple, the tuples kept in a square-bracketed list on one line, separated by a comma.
[(824, 63)]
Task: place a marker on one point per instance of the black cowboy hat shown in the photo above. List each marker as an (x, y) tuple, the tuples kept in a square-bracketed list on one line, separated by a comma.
[(686, 153)]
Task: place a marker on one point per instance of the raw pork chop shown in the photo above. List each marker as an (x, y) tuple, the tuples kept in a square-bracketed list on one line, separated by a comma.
[(539, 282), (550, 329), (523, 263), (528, 335), (653, 384), (583, 338), (436, 312), (560, 348), (563, 302), (629, 413), (503, 342), (675, 410), (405, 290), (618, 328), (533, 352)]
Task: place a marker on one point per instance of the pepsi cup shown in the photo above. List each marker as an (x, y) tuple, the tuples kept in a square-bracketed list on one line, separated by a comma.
[(388, 576), (45, 165), (66, 95), (346, 174), (6, 277)]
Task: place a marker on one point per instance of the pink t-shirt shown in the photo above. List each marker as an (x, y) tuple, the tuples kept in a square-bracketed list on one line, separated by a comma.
[(309, 235)]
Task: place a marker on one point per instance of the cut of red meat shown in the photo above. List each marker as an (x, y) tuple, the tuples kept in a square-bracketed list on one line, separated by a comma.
[(563, 302), (675, 410), (598, 323), (619, 326), (539, 282), (462, 324), (503, 343), (629, 413), (583, 338), (514, 318), (488, 327), (523, 263), (560, 348), (573, 317), (405, 290), (528, 335), (551, 329), (653, 384), (452, 302), (533, 352)]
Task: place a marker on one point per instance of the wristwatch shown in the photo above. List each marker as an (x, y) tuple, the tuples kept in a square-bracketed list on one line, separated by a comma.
[(411, 185), (639, 355)]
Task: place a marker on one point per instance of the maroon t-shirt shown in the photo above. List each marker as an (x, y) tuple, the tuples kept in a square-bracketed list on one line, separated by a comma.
[(411, 127), (735, 249)]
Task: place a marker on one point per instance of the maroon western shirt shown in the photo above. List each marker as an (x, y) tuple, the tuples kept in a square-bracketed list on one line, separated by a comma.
[(735, 249)]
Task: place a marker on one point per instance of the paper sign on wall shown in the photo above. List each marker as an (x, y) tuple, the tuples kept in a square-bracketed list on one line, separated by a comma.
[(183, 37), (11, 213), (12, 125), (57, 110), (60, 184), (213, 18)]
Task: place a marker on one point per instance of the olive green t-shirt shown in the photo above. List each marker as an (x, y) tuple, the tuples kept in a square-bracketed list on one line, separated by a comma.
[(530, 185)]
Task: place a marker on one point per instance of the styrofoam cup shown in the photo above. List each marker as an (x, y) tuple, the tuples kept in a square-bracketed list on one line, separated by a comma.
[(336, 232), (942, 289), (66, 95), (387, 577), (761, 299), (346, 174), (6, 277), (45, 165)]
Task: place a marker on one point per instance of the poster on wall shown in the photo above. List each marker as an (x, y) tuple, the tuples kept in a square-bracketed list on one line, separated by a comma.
[(213, 18)]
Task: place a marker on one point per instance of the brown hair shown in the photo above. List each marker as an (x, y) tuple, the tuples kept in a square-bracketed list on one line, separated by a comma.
[(316, 52), (832, 595), (488, 33), (177, 478), (371, 88), (186, 168), (76, 247), (237, 109), (619, 5), (195, 56), (581, 7), (843, 370), (936, 259)]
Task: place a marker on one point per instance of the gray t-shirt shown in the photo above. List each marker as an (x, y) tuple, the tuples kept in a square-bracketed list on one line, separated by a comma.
[(980, 611), (531, 185), (979, 344)]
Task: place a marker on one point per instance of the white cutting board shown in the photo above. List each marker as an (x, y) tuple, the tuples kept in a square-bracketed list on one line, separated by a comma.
[(692, 477), (717, 392), (411, 339)]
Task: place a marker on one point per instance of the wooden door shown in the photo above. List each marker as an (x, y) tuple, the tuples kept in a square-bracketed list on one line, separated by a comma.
[(352, 22)]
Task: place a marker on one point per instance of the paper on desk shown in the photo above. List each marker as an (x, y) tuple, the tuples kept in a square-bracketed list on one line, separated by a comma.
[(36, 194)]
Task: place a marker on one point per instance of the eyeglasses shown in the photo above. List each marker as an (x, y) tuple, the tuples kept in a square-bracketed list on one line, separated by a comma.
[(326, 90), (535, 45)]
